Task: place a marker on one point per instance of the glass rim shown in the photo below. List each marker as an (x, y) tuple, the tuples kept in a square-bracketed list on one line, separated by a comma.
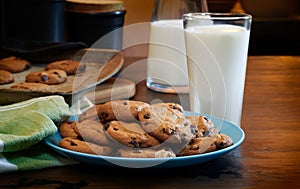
[(216, 16)]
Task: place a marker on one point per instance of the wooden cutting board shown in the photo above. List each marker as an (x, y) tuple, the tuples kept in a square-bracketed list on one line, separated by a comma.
[(112, 89)]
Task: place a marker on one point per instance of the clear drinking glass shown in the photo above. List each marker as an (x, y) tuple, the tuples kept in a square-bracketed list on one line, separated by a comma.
[(217, 49), (166, 66)]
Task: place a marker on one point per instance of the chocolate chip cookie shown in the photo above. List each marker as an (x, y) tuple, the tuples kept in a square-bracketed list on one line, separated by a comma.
[(69, 129), (6, 77), (32, 86), (84, 147), (166, 124), (205, 126), (131, 135), (122, 110), (171, 106), (93, 131), (71, 67), (199, 145), (146, 153), (202, 145), (50, 77), (223, 141), (14, 64), (87, 130)]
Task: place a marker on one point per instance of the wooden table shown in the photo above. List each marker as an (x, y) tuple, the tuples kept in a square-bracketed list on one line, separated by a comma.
[(268, 158)]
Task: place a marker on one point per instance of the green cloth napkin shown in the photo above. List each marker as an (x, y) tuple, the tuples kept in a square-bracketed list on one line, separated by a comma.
[(23, 126)]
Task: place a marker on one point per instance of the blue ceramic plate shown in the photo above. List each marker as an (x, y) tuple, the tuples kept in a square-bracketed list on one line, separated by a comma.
[(235, 132)]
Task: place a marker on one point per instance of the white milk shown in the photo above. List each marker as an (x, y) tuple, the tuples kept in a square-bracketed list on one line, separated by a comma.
[(166, 57), (217, 60)]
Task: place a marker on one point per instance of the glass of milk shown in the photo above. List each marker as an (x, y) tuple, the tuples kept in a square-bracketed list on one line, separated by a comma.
[(217, 49), (166, 63)]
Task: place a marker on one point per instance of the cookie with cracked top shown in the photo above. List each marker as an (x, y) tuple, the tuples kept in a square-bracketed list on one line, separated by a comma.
[(121, 110), (6, 77), (171, 106), (166, 124), (205, 126), (84, 147), (93, 131), (71, 67), (88, 130), (202, 145), (50, 77), (199, 145), (68, 129), (32, 86), (223, 141), (14, 64), (131, 135)]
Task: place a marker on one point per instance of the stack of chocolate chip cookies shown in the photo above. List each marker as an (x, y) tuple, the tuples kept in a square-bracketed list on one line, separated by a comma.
[(135, 129)]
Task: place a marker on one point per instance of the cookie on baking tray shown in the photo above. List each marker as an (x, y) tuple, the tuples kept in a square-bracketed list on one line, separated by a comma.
[(131, 135), (122, 110), (84, 147), (32, 86), (6, 77), (71, 67), (50, 77), (14, 64)]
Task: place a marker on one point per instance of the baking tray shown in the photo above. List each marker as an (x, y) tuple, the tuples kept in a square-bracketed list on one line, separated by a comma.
[(101, 64)]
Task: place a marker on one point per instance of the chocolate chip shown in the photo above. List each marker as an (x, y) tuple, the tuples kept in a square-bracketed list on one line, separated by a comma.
[(147, 116), (194, 129), (220, 145), (191, 141), (125, 103), (105, 126), (103, 115), (175, 107), (137, 152), (135, 143), (44, 78), (73, 143), (164, 130), (56, 73)]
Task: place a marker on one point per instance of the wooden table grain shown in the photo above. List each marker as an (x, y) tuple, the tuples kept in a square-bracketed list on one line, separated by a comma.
[(268, 158)]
